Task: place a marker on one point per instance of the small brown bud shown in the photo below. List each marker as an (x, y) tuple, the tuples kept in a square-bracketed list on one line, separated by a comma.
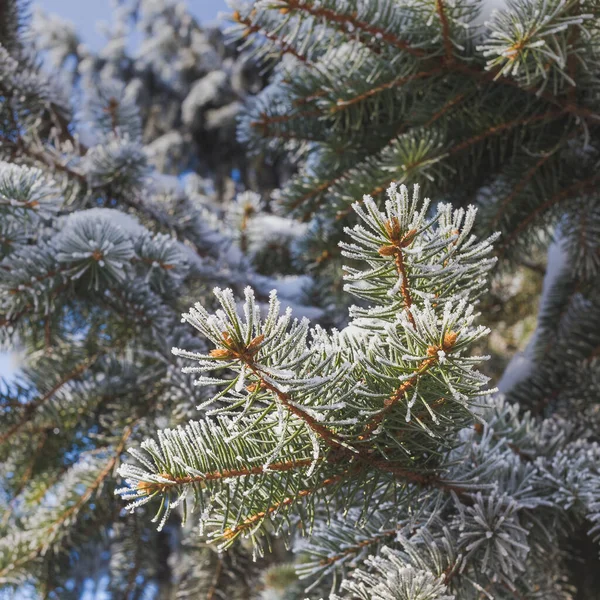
[(146, 486), (388, 250), (450, 338), (221, 353), (392, 228), (257, 385), (323, 256), (255, 343), (408, 238)]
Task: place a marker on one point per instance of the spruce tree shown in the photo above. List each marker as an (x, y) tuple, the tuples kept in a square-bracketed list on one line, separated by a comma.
[(498, 110), (104, 241), (379, 443), (377, 451)]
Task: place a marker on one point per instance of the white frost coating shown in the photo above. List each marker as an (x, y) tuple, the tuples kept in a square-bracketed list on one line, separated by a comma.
[(164, 146), (224, 116), (127, 223), (27, 189), (54, 34), (205, 91)]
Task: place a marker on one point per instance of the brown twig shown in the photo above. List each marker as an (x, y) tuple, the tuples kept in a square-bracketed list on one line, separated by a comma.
[(390, 402), (496, 129), (359, 546), (232, 532), (352, 20), (343, 104), (252, 28), (399, 240), (149, 487), (441, 11)]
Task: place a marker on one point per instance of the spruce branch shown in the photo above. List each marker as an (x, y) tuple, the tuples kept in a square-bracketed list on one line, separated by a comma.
[(348, 22), (573, 190), (51, 533), (502, 127), (250, 28), (30, 408), (529, 42), (385, 89), (289, 395), (441, 10), (25, 479), (374, 91), (82, 279), (375, 442), (519, 187)]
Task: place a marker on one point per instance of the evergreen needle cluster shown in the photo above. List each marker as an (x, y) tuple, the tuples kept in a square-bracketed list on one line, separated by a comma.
[(272, 456), (377, 441), (497, 108), (102, 242)]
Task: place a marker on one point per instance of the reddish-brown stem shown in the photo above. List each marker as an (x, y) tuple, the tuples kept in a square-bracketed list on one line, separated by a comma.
[(345, 20), (151, 486), (441, 11), (442, 111), (491, 76), (252, 28), (307, 99), (317, 190), (359, 546), (352, 20), (343, 104), (112, 109), (245, 354), (250, 521), (392, 401), (404, 287), (496, 129), (328, 436)]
